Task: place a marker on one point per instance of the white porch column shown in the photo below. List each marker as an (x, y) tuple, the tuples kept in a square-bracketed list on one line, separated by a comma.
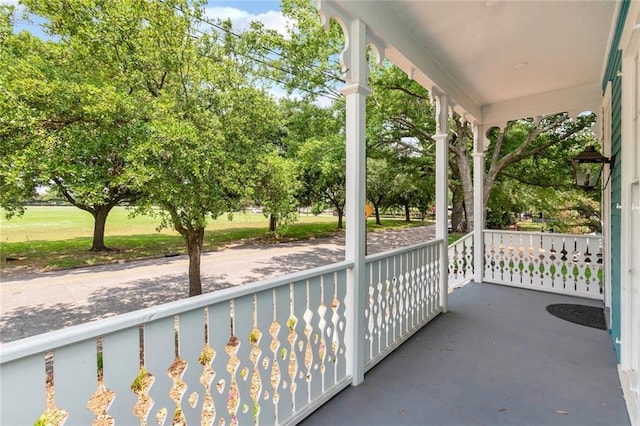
[(479, 145), (442, 189), (356, 92)]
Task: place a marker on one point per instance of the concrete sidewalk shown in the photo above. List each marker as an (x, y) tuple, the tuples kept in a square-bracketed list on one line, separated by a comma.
[(39, 303)]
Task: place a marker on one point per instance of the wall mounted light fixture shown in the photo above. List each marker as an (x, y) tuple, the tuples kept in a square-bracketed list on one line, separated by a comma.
[(588, 167)]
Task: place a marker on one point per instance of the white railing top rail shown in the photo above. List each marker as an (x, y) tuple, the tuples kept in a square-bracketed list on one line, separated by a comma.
[(400, 250), (468, 236), (554, 234), (59, 338)]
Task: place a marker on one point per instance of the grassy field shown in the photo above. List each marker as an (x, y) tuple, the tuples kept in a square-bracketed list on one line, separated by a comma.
[(50, 238), (46, 223)]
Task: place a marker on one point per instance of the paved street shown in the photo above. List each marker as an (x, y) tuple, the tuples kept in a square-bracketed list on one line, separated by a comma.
[(44, 302)]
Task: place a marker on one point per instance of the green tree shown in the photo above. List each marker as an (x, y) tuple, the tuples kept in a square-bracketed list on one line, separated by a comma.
[(534, 151), (412, 189), (276, 190), (400, 127), (380, 183), (64, 124), (203, 125), (305, 59), (323, 163)]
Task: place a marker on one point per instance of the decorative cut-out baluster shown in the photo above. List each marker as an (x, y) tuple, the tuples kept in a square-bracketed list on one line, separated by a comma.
[(550, 261), (220, 329), (340, 279), (587, 256), (402, 292), (140, 386), (327, 365), (274, 347), (160, 351), (255, 390), (175, 371), (233, 393), (308, 344), (244, 329), (192, 344), (369, 315), (208, 412), (103, 397), (387, 302), (564, 251), (379, 313), (280, 334), (315, 300), (292, 339), (99, 405), (322, 344)]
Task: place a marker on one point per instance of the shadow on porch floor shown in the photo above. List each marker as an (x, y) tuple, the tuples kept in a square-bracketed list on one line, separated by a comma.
[(497, 357)]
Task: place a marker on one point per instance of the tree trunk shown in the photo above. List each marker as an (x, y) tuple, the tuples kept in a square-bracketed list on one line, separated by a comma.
[(195, 238), (340, 214), (457, 212), (99, 221), (377, 210), (407, 213), (463, 170), (273, 223)]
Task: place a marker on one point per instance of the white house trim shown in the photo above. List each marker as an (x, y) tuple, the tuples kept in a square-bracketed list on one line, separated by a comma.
[(630, 220), (605, 122)]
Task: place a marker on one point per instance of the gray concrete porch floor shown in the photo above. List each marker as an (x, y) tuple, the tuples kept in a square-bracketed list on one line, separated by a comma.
[(496, 358)]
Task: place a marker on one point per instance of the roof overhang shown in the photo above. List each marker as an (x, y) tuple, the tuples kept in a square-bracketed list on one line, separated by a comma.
[(497, 60)]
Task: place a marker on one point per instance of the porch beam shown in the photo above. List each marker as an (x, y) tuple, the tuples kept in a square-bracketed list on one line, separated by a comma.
[(442, 187), (573, 100)]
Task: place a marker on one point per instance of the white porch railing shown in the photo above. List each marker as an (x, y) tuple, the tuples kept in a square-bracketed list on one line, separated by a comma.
[(557, 263), (461, 261), (269, 352), (403, 286), (261, 352)]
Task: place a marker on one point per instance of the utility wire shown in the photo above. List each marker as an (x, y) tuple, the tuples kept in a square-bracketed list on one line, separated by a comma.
[(221, 28)]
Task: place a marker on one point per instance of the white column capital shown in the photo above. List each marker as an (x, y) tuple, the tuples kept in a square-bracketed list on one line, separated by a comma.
[(442, 111), (359, 88), (480, 140)]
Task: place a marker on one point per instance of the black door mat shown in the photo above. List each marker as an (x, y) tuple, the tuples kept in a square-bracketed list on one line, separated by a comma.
[(590, 316)]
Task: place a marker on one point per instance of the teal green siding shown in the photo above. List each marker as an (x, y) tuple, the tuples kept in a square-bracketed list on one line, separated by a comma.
[(612, 75)]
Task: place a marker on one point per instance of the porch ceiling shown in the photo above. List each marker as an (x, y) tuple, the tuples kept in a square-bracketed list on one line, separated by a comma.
[(498, 60)]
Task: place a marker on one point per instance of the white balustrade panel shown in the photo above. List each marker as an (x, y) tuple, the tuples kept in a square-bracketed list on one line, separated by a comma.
[(559, 263), (261, 353), (403, 295), (461, 261)]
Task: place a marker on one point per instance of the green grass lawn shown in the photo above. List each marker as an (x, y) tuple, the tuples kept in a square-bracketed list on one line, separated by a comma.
[(49, 238), (46, 223)]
